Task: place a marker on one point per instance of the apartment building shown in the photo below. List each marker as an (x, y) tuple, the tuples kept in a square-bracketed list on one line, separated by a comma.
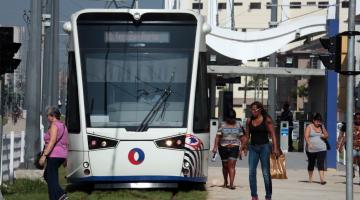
[(255, 14)]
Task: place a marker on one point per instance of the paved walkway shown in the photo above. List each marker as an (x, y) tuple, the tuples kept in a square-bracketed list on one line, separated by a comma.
[(296, 187)]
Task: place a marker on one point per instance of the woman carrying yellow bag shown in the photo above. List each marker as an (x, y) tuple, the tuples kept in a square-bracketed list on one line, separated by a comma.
[(259, 127)]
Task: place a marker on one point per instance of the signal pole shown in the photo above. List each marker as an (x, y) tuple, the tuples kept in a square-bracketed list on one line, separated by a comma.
[(33, 71), (1, 133), (136, 5), (55, 44), (50, 91), (331, 80), (350, 102), (47, 67), (272, 63)]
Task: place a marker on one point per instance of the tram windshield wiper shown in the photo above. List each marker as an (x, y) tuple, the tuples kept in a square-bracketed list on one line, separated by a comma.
[(155, 109)]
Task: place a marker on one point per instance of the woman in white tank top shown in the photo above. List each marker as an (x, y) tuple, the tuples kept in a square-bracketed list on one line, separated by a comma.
[(315, 133)]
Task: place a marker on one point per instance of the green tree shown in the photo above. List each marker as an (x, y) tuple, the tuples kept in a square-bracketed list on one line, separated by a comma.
[(302, 92), (258, 82)]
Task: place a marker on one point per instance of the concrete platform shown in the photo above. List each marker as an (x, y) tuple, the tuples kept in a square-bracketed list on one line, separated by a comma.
[(296, 187)]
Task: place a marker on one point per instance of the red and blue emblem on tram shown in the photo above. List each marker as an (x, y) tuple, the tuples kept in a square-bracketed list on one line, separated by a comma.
[(136, 156)]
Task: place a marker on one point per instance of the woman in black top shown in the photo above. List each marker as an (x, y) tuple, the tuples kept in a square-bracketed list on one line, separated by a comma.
[(258, 129)]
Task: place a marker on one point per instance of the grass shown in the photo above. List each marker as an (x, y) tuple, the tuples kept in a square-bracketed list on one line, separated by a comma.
[(24, 189)]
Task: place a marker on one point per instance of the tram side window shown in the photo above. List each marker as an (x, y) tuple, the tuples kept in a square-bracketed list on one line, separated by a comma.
[(72, 105), (202, 103)]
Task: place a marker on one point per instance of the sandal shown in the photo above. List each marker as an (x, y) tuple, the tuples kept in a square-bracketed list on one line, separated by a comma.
[(323, 183), (232, 187), (64, 197)]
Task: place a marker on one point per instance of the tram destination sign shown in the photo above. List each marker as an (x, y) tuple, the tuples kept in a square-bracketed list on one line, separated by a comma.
[(137, 36)]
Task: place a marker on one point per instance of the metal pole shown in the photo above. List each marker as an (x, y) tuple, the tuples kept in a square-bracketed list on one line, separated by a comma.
[(136, 4), (331, 81), (47, 79), (212, 95), (33, 86), (55, 44), (272, 63), (232, 15), (1, 129), (350, 103)]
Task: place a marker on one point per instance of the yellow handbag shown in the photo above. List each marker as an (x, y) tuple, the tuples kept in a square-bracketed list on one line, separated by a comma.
[(278, 167)]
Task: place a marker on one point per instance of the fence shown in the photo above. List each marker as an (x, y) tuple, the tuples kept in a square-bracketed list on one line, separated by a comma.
[(13, 154)]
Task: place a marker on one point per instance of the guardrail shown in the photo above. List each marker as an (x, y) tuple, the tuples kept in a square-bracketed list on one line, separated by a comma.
[(12, 155)]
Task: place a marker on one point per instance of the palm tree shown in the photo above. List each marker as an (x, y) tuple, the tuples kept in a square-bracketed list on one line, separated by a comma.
[(302, 92), (258, 81)]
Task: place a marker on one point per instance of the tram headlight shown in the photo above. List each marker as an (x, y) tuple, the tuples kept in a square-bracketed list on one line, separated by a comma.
[(186, 172), (175, 142), (86, 164), (103, 144), (179, 142), (168, 143), (186, 165), (86, 172), (93, 142), (96, 142)]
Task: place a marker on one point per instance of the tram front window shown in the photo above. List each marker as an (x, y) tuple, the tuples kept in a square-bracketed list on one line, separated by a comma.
[(127, 68)]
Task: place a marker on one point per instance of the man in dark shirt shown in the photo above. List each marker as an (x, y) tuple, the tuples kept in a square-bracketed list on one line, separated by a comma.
[(287, 115)]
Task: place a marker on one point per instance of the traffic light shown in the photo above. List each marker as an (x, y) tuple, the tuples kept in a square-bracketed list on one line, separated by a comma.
[(331, 60), (7, 50)]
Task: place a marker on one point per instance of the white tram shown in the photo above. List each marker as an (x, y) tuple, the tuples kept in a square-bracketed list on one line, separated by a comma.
[(138, 103)]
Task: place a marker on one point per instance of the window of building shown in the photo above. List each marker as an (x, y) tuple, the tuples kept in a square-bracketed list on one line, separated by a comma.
[(238, 4), (221, 6), (197, 6), (255, 5), (268, 5), (323, 4), (314, 61), (345, 4), (311, 3), (295, 5)]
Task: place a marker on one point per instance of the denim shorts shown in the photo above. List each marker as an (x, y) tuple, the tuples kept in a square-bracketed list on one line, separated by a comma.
[(356, 153), (229, 153)]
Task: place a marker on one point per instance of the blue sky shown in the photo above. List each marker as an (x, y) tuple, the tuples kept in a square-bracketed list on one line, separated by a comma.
[(11, 11)]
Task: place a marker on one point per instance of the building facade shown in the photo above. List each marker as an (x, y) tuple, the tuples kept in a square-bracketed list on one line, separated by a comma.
[(255, 15)]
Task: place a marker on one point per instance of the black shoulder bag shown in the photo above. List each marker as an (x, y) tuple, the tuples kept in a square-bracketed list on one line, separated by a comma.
[(325, 140), (38, 155)]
